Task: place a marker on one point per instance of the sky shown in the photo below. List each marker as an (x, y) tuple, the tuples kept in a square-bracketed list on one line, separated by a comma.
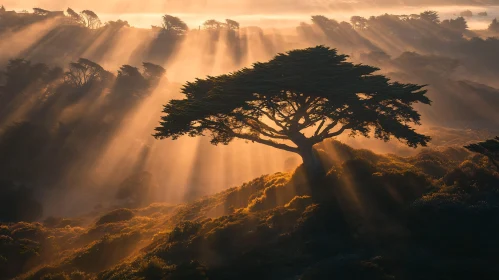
[(234, 6), (195, 161), (263, 13)]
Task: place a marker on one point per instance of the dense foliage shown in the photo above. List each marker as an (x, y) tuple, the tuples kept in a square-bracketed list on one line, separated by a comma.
[(430, 214), (381, 217), (277, 101)]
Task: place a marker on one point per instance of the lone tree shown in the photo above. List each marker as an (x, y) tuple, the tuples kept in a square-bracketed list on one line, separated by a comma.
[(40, 12), (212, 24), (430, 16), (84, 73), (174, 25), (232, 24), (358, 22), (75, 17), (294, 101), (90, 19), (494, 26), (488, 148)]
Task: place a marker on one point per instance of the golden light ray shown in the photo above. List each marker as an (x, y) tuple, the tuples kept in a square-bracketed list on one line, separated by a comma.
[(12, 44)]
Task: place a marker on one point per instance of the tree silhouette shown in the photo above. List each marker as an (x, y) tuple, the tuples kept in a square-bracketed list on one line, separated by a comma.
[(325, 23), (84, 73), (294, 101), (131, 82), (430, 16), (117, 24), (466, 13), (358, 22), (21, 73), (152, 72), (488, 148), (494, 26), (212, 24), (174, 25), (75, 17), (458, 24), (90, 19), (41, 12), (232, 24)]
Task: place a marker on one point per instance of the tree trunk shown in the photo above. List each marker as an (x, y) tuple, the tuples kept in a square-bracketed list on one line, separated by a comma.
[(312, 163)]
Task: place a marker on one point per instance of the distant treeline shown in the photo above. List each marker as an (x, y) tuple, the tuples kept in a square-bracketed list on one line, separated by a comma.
[(40, 144), (39, 147), (74, 32)]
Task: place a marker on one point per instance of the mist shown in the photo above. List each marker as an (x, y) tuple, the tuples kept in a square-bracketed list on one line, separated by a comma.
[(189, 168), (250, 139)]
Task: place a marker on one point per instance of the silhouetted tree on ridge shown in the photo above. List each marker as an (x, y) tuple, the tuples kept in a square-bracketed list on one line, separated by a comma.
[(466, 13), (117, 24), (174, 25), (312, 91), (212, 24), (494, 26), (90, 19), (488, 148), (430, 16), (458, 24), (74, 16), (131, 82), (84, 72), (359, 22), (40, 11), (232, 24), (153, 72)]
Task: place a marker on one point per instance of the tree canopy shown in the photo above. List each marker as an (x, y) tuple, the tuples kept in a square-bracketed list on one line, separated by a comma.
[(294, 101), (488, 148), (358, 22), (84, 72), (90, 19), (458, 24), (40, 11), (430, 16), (75, 17), (174, 25), (132, 82), (212, 24), (494, 26), (117, 24), (232, 24)]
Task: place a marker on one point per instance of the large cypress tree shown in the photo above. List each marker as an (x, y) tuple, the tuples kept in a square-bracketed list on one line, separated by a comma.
[(294, 101)]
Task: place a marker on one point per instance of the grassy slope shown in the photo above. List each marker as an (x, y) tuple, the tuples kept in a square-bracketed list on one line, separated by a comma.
[(431, 216)]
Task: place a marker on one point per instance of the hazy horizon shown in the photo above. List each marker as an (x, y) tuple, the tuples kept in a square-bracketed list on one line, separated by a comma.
[(235, 7), (276, 15), (193, 165)]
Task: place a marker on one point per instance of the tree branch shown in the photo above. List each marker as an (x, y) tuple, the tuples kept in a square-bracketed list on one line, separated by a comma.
[(265, 142), (320, 127), (328, 128), (333, 134)]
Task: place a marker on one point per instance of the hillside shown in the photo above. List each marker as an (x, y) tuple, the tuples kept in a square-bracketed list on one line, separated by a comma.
[(134, 151), (430, 216)]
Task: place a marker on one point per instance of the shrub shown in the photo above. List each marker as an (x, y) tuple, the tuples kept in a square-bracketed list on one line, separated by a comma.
[(105, 252), (115, 216), (299, 202), (154, 268)]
